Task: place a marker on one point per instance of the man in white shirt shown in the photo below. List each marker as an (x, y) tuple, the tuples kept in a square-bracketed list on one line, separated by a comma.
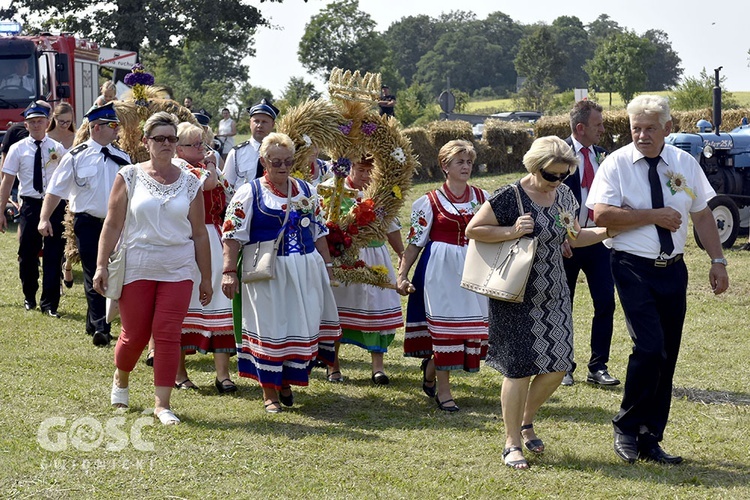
[(33, 160), (85, 177), (19, 78), (243, 161), (644, 192), (587, 127)]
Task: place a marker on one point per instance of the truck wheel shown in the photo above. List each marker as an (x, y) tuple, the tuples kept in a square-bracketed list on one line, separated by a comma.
[(727, 217)]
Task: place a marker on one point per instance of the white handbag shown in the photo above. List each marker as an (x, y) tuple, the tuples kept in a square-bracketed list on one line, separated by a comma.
[(500, 270)]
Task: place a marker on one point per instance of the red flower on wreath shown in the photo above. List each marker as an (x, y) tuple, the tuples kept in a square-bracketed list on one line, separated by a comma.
[(364, 212)]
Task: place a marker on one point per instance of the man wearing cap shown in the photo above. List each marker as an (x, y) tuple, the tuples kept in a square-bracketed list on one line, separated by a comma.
[(85, 177), (203, 118), (243, 161), (33, 160)]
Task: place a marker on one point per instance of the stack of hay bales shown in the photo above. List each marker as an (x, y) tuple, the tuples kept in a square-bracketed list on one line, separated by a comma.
[(506, 143), (425, 151)]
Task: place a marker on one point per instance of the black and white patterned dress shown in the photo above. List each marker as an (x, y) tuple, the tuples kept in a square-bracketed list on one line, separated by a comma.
[(536, 335)]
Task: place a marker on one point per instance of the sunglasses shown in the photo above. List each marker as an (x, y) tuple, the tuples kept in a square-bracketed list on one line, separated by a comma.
[(197, 145), (277, 163), (554, 177), (112, 125), (172, 139)]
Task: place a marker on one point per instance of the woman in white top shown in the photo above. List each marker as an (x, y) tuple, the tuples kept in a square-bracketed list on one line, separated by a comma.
[(165, 238), (227, 131)]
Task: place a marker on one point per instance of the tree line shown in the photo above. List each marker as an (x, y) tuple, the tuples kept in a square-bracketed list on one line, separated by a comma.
[(196, 48)]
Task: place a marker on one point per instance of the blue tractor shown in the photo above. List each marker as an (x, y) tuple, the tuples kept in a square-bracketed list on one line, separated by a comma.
[(725, 158)]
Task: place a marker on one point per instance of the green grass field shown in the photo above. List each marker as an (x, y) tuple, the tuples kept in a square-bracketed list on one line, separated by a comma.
[(743, 98), (357, 440)]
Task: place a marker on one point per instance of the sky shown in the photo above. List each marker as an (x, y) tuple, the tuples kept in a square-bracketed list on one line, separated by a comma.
[(703, 37)]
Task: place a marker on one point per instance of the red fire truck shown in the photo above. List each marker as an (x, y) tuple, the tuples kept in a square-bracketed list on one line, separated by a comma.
[(53, 68)]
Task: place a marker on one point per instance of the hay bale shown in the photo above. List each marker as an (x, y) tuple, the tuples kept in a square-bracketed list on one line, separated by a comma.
[(425, 151), (442, 132)]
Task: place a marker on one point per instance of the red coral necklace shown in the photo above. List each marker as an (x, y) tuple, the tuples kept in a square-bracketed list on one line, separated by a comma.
[(464, 198), (276, 191)]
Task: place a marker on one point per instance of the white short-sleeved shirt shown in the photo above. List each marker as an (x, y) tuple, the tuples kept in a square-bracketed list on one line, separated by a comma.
[(159, 234), (225, 127), (242, 163), (85, 177), (622, 181), (20, 162)]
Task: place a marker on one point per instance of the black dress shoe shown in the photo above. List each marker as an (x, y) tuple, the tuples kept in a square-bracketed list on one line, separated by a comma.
[(626, 447), (102, 339), (52, 313), (655, 453), (287, 400), (29, 305), (601, 377)]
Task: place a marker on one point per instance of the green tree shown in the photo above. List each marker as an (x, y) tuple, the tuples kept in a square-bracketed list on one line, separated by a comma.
[(602, 28), (133, 24), (341, 36), (538, 61), (573, 41), (502, 31), (663, 69), (408, 40), (618, 65), (463, 58), (298, 91), (697, 93), (415, 105)]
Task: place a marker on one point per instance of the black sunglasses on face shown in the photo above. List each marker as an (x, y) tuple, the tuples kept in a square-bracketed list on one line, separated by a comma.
[(554, 177), (277, 163), (161, 138)]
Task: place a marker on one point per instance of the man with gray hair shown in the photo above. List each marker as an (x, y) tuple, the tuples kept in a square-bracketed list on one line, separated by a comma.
[(644, 193)]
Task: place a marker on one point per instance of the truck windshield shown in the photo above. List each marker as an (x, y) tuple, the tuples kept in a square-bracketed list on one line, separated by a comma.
[(18, 80)]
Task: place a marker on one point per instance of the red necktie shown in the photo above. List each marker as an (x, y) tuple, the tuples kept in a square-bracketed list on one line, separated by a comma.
[(588, 175)]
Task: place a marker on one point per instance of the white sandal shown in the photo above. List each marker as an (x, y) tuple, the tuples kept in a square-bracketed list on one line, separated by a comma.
[(167, 417), (119, 396)]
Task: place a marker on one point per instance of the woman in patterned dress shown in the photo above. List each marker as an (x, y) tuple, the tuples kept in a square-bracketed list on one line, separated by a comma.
[(445, 324), (207, 328), (534, 338), (284, 318)]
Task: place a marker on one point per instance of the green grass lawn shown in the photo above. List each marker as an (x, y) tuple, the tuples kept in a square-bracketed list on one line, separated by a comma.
[(743, 98), (357, 440)]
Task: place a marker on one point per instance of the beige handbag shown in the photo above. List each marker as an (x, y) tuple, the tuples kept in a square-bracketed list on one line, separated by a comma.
[(500, 270), (259, 258)]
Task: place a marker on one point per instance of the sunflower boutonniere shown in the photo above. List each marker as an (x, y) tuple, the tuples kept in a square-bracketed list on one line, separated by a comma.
[(54, 157), (566, 220), (677, 183)]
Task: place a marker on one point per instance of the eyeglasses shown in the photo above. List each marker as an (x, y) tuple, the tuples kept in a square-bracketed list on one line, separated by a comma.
[(554, 177), (197, 145), (112, 125), (277, 163), (172, 139), (64, 123)]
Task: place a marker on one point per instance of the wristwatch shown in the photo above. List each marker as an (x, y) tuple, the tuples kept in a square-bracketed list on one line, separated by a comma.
[(721, 261)]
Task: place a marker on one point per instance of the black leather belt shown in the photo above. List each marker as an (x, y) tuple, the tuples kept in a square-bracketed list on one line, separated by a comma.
[(89, 216), (651, 262)]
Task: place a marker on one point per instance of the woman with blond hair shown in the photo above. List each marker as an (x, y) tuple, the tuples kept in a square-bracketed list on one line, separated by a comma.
[(533, 338), (446, 325)]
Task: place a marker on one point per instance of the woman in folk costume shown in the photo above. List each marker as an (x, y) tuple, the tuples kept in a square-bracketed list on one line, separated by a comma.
[(369, 314), (445, 324), (283, 318)]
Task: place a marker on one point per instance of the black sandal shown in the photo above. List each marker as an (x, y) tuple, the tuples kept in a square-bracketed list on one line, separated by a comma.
[(273, 407), (533, 445), (223, 389), (150, 358), (441, 404), (184, 385), (335, 380), (514, 464), (430, 391), (286, 400)]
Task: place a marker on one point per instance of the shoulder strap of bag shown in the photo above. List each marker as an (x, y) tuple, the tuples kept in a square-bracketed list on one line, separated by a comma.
[(125, 231), (518, 199)]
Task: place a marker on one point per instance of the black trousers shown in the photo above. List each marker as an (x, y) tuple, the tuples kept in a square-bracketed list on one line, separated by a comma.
[(87, 230), (654, 302), (30, 244), (594, 261)]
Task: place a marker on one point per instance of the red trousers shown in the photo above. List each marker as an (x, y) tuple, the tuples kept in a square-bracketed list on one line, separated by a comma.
[(158, 308)]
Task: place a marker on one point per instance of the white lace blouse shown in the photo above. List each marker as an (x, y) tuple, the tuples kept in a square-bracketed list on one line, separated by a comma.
[(158, 236)]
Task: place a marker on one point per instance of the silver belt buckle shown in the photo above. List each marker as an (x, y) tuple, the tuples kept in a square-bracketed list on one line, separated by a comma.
[(660, 261)]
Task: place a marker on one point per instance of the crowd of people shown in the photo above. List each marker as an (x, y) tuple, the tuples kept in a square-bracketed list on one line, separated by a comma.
[(194, 228)]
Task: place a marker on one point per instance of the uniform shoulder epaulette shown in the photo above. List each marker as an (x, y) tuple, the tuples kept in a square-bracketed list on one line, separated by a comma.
[(242, 145), (114, 146), (78, 149)]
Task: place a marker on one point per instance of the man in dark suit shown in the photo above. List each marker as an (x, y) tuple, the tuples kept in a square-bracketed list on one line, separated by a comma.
[(587, 127)]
